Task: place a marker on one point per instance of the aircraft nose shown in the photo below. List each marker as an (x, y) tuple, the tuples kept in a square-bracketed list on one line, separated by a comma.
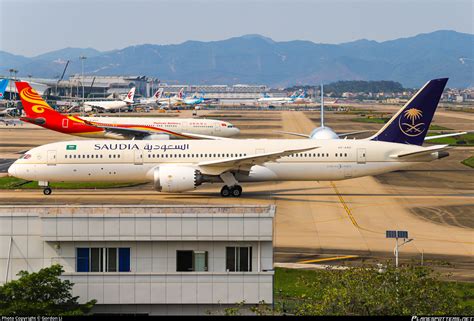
[(12, 170)]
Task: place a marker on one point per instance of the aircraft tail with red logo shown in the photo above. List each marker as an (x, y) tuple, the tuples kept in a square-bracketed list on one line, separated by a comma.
[(158, 94), (38, 112), (181, 93), (130, 95)]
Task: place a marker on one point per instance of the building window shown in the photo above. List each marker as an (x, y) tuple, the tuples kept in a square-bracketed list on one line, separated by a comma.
[(238, 259), (191, 261), (99, 259)]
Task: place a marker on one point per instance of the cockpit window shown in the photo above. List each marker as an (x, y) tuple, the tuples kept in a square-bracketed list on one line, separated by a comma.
[(230, 126), (25, 156)]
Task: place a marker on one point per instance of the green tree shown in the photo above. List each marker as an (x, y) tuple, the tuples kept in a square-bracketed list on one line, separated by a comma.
[(41, 293), (410, 290)]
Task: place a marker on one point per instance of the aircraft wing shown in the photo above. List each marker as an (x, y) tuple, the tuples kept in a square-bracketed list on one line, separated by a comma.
[(444, 135), (199, 136), (291, 133), (352, 133), (425, 151), (244, 163)]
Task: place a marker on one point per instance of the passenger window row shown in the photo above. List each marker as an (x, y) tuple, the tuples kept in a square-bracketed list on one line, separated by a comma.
[(74, 156), (193, 155), (316, 155)]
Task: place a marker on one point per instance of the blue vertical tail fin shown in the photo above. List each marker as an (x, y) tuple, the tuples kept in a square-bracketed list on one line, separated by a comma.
[(411, 123), (3, 87)]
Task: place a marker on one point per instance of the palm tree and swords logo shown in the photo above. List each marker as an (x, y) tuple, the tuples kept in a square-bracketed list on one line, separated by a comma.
[(408, 123)]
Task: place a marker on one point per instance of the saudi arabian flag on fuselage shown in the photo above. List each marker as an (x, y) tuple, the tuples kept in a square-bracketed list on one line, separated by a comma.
[(71, 147)]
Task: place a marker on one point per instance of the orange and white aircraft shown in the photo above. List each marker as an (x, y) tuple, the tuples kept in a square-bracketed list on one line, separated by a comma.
[(38, 112)]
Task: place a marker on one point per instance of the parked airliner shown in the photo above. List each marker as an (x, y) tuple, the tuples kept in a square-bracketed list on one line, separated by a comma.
[(152, 100), (38, 112), (110, 105), (3, 87), (324, 132), (183, 166), (172, 100), (266, 99)]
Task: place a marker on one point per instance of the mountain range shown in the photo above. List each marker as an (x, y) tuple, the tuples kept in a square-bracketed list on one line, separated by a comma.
[(255, 59)]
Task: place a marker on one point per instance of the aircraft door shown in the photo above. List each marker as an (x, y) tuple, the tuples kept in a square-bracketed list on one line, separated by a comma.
[(137, 157), (51, 158), (260, 151), (217, 128), (361, 158), (65, 123)]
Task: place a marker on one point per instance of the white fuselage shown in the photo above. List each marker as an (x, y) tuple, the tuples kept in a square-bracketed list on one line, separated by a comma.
[(170, 101), (275, 100), (149, 101), (112, 105), (127, 161), (210, 127)]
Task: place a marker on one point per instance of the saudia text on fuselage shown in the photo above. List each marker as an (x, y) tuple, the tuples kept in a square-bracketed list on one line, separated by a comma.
[(147, 147)]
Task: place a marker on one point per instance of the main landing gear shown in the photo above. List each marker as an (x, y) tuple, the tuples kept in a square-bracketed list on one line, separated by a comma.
[(47, 191), (231, 187), (234, 191)]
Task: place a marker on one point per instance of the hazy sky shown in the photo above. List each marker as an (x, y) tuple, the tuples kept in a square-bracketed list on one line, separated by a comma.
[(31, 27)]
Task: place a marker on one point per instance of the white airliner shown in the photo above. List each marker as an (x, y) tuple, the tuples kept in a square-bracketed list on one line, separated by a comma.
[(38, 112), (324, 132), (182, 166), (152, 100), (266, 99), (110, 105), (172, 100)]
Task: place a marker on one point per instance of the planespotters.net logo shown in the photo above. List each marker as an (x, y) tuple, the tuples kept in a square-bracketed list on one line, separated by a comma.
[(433, 318)]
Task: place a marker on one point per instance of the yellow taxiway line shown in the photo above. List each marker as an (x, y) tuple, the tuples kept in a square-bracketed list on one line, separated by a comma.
[(335, 258)]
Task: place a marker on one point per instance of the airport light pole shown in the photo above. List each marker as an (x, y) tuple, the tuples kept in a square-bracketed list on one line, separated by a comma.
[(82, 68), (396, 235), (12, 72)]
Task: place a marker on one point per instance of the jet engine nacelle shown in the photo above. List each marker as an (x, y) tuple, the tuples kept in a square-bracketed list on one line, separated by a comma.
[(173, 179), (157, 137)]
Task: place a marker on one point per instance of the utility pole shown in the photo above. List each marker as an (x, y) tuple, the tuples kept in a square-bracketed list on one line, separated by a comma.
[(82, 67)]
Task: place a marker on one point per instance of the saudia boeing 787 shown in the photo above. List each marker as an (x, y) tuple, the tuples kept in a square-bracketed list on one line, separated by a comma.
[(183, 166)]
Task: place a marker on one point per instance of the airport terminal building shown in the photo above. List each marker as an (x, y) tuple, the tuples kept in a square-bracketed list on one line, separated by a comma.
[(154, 260)]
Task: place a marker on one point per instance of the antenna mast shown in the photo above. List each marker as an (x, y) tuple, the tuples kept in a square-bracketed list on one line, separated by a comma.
[(322, 105)]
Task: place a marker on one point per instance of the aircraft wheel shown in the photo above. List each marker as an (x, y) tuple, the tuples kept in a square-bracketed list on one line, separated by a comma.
[(236, 191), (47, 191), (225, 191)]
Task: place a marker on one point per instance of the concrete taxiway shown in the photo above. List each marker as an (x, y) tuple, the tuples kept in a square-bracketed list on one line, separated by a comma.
[(434, 201)]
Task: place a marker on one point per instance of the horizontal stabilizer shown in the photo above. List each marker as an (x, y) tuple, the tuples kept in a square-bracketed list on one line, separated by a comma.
[(422, 152), (291, 133), (444, 135), (353, 133)]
